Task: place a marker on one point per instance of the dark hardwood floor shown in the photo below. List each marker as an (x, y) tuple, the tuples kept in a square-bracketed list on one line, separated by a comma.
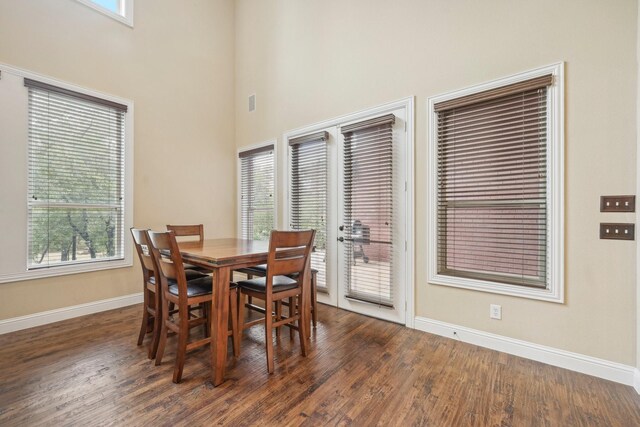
[(361, 371)]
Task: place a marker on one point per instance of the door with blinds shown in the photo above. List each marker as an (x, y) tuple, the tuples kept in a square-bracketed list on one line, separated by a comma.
[(348, 183), (371, 216)]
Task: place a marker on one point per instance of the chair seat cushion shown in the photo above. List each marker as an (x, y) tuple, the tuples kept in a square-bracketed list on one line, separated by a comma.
[(280, 283), (190, 274), (261, 270), (256, 270), (195, 287), (195, 268), (313, 272)]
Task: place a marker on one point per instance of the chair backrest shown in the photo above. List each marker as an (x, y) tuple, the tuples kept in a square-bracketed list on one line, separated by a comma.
[(141, 243), (288, 253), (166, 254), (196, 230)]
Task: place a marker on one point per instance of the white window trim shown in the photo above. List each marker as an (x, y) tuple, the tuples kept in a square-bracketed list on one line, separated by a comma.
[(273, 142), (126, 17), (61, 270), (555, 190)]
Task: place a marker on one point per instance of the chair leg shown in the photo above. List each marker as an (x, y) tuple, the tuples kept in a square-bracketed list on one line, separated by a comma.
[(181, 351), (278, 316), (249, 298), (240, 314), (206, 313), (292, 309), (314, 300), (163, 332), (302, 330), (235, 333), (157, 325), (268, 333), (144, 326)]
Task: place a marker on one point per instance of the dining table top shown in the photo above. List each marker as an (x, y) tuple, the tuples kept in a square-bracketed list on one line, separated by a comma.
[(224, 251)]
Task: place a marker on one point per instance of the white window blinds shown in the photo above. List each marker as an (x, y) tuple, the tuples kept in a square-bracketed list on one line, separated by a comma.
[(492, 185), (257, 205), (76, 177), (368, 209), (308, 198)]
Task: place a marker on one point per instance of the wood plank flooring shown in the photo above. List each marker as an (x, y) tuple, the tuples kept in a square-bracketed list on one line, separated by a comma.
[(361, 371)]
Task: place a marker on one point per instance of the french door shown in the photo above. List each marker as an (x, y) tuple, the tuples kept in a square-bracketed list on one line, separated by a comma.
[(348, 183)]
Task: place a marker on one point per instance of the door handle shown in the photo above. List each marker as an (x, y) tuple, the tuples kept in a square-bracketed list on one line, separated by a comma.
[(340, 239), (341, 228)]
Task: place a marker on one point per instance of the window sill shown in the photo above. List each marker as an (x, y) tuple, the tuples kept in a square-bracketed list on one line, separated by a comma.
[(42, 273), (553, 294)]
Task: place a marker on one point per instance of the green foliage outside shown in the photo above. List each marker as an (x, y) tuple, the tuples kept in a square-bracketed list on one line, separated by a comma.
[(77, 153)]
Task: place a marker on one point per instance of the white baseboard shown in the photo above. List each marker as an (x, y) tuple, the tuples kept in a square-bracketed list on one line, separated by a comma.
[(601, 368), (51, 316)]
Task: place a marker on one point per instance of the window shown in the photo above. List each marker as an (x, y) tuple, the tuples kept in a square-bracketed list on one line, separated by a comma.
[(121, 10), (496, 153), (257, 188), (68, 153), (308, 195), (76, 167), (115, 6)]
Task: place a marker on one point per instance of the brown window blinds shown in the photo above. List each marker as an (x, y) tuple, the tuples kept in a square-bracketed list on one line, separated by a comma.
[(76, 177), (308, 198), (492, 185), (368, 210), (257, 205)]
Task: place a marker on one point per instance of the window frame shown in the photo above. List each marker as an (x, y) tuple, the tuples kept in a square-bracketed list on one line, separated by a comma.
[(274, 143), (27, 273), (125, 17), (555, 190), (290, 187)]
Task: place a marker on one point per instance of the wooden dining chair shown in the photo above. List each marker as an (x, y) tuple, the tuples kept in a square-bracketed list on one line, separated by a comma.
[(288, 257), (195, 230), (152, 307), (261, 271), (190, 230), (184, 295)]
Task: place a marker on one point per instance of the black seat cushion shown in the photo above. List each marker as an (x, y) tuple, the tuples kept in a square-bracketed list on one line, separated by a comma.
[(313, 272), (195, 267), (262, 270), (256, 270), (280, 283), (196, 287), (190, 274)]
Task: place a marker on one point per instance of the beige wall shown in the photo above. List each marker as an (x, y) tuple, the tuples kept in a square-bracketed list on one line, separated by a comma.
[(312, 60), (177, 65)]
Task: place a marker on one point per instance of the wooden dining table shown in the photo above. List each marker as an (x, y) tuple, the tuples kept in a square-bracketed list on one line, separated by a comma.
[(221, 257)]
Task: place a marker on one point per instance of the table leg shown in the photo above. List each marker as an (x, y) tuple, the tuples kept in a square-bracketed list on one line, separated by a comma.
[(219, 323)]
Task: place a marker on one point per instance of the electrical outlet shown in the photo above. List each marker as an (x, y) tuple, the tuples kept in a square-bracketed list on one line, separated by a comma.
[(495, 311)]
